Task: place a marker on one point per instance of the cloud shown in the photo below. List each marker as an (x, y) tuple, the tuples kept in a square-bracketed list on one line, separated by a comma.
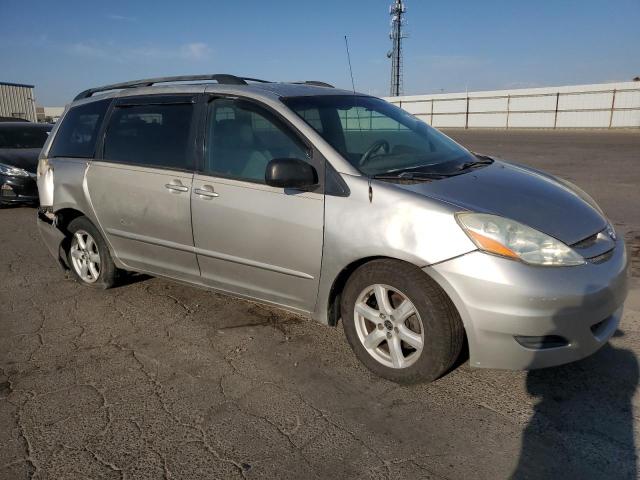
[(120, 18), (87, 50), (195, 51)]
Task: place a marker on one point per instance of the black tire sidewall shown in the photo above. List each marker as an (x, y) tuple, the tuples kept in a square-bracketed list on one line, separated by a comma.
[(106, 278), (440, 347)]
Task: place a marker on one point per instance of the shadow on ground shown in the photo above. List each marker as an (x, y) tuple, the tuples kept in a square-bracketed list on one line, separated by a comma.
[(585, 411)]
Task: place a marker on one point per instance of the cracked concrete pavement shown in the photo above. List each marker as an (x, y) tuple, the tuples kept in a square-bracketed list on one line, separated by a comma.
[(155, 379)]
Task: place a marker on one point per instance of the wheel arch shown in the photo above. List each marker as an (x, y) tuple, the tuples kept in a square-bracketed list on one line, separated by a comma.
[(339, 282), (63, 217)]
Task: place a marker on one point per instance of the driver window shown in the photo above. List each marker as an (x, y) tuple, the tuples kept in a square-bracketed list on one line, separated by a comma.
[(242, 138)]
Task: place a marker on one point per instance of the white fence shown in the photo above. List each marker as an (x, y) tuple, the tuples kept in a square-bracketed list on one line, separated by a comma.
[(608, 105)]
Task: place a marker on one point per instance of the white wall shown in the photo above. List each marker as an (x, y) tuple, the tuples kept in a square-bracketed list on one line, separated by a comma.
[(604, 105)]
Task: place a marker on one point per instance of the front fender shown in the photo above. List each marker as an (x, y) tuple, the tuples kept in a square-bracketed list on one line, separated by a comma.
[(393, 223)]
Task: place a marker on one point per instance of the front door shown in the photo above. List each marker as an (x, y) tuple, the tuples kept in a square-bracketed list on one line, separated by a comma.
[(250, 238), (140, 189)]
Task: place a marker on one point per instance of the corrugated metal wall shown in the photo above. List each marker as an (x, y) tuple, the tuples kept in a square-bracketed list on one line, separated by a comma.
[(608, 105), (17, 101)]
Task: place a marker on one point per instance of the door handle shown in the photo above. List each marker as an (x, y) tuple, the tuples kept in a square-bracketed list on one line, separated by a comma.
[(206, 191), (175, 187)]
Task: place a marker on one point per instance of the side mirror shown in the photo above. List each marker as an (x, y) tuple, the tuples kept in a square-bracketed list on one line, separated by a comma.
[(290, 173)]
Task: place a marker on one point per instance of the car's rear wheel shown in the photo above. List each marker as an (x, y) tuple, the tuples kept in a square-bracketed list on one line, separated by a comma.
[(88, 255), (400, 323)]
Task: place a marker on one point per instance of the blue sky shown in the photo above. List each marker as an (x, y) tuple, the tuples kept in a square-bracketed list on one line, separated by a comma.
[(66, 46)]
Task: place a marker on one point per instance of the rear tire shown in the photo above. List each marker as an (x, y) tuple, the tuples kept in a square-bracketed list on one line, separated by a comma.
[(88, 255), (416, 335)]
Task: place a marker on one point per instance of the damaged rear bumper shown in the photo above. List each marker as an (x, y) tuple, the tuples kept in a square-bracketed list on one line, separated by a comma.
[(51, 235)]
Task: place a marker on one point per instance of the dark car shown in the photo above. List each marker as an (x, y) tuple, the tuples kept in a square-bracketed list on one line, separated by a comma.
[(20, 145)]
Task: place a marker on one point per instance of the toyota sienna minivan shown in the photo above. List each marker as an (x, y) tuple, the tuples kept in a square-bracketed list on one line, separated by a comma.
[(336, 205)]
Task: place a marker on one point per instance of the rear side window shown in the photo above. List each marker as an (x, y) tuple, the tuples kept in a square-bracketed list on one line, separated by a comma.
[(77, 135), (151, 135)]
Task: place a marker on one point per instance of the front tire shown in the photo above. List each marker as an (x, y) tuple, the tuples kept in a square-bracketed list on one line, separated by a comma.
[(88, 256), (399, 322)]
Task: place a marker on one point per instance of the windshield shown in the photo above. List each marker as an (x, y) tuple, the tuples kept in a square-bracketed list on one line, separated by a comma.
[(379, 138), (23, 137)]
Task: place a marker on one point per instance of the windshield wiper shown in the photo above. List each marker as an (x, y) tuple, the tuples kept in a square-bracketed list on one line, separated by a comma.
[(481, 160), (411, 176)]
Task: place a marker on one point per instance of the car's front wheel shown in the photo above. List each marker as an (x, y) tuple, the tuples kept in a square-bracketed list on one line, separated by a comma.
[(89, 256), (400, 323)]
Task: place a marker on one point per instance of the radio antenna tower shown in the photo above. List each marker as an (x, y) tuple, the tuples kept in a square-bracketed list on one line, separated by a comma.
[(397, 11)]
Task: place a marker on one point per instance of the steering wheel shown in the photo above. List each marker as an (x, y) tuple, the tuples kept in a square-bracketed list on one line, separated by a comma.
[(375, 146)]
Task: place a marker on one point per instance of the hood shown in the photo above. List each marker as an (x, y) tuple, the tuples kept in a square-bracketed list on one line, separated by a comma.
[(538, 200), (25, 158)]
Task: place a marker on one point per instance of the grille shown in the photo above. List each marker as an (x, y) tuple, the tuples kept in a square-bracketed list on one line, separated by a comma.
[(601, 258)]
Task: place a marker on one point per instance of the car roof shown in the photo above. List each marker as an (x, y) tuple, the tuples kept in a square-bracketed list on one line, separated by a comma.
[(228, 84)]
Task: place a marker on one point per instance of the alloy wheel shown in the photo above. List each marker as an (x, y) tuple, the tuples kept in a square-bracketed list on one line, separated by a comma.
[(389, 326), (85, 256)]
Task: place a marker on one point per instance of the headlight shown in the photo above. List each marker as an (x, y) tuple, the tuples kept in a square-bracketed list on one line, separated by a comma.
[(12, 171), (507, 238)]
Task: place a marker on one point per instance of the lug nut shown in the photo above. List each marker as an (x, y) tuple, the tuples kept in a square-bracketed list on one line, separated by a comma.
[(388, 334), (380, 326)]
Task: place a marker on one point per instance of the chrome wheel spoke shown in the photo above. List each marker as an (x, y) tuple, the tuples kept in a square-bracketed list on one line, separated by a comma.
[(367, 312), (94, 271), (382, 297), (395, 351), (84, 269), (94, 258), (374, 338), (404, 311), (410, 337), (75, 253), (80, 241)]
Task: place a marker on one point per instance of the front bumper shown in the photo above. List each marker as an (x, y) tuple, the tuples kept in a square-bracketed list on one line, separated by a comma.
[(519, 316), (15, 190)]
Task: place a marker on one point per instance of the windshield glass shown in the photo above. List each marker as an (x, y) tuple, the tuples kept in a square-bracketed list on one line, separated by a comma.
[(23, 137), (379, 138)]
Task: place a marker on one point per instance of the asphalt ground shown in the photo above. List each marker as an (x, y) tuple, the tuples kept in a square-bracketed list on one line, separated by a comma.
[(155, 379)]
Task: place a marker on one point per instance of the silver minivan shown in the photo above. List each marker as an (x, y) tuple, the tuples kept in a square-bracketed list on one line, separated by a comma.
[(335, 205)]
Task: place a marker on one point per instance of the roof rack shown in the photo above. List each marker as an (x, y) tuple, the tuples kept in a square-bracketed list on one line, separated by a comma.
[(224, 79), (316, 83), (221, 78)]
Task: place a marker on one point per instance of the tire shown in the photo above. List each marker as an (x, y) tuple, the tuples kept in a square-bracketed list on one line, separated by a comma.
[(95, 252), (429, 339)]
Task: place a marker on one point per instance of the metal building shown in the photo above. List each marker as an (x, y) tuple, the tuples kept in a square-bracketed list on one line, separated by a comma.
[(17, 101)]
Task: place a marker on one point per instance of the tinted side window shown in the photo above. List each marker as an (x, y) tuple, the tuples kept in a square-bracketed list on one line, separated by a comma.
[(153, 135), (242, 138), (23, 137), (77, 135)]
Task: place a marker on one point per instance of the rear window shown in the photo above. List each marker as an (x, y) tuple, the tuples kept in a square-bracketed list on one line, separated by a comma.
[(154, 135), (23, 137), (78, 132)]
